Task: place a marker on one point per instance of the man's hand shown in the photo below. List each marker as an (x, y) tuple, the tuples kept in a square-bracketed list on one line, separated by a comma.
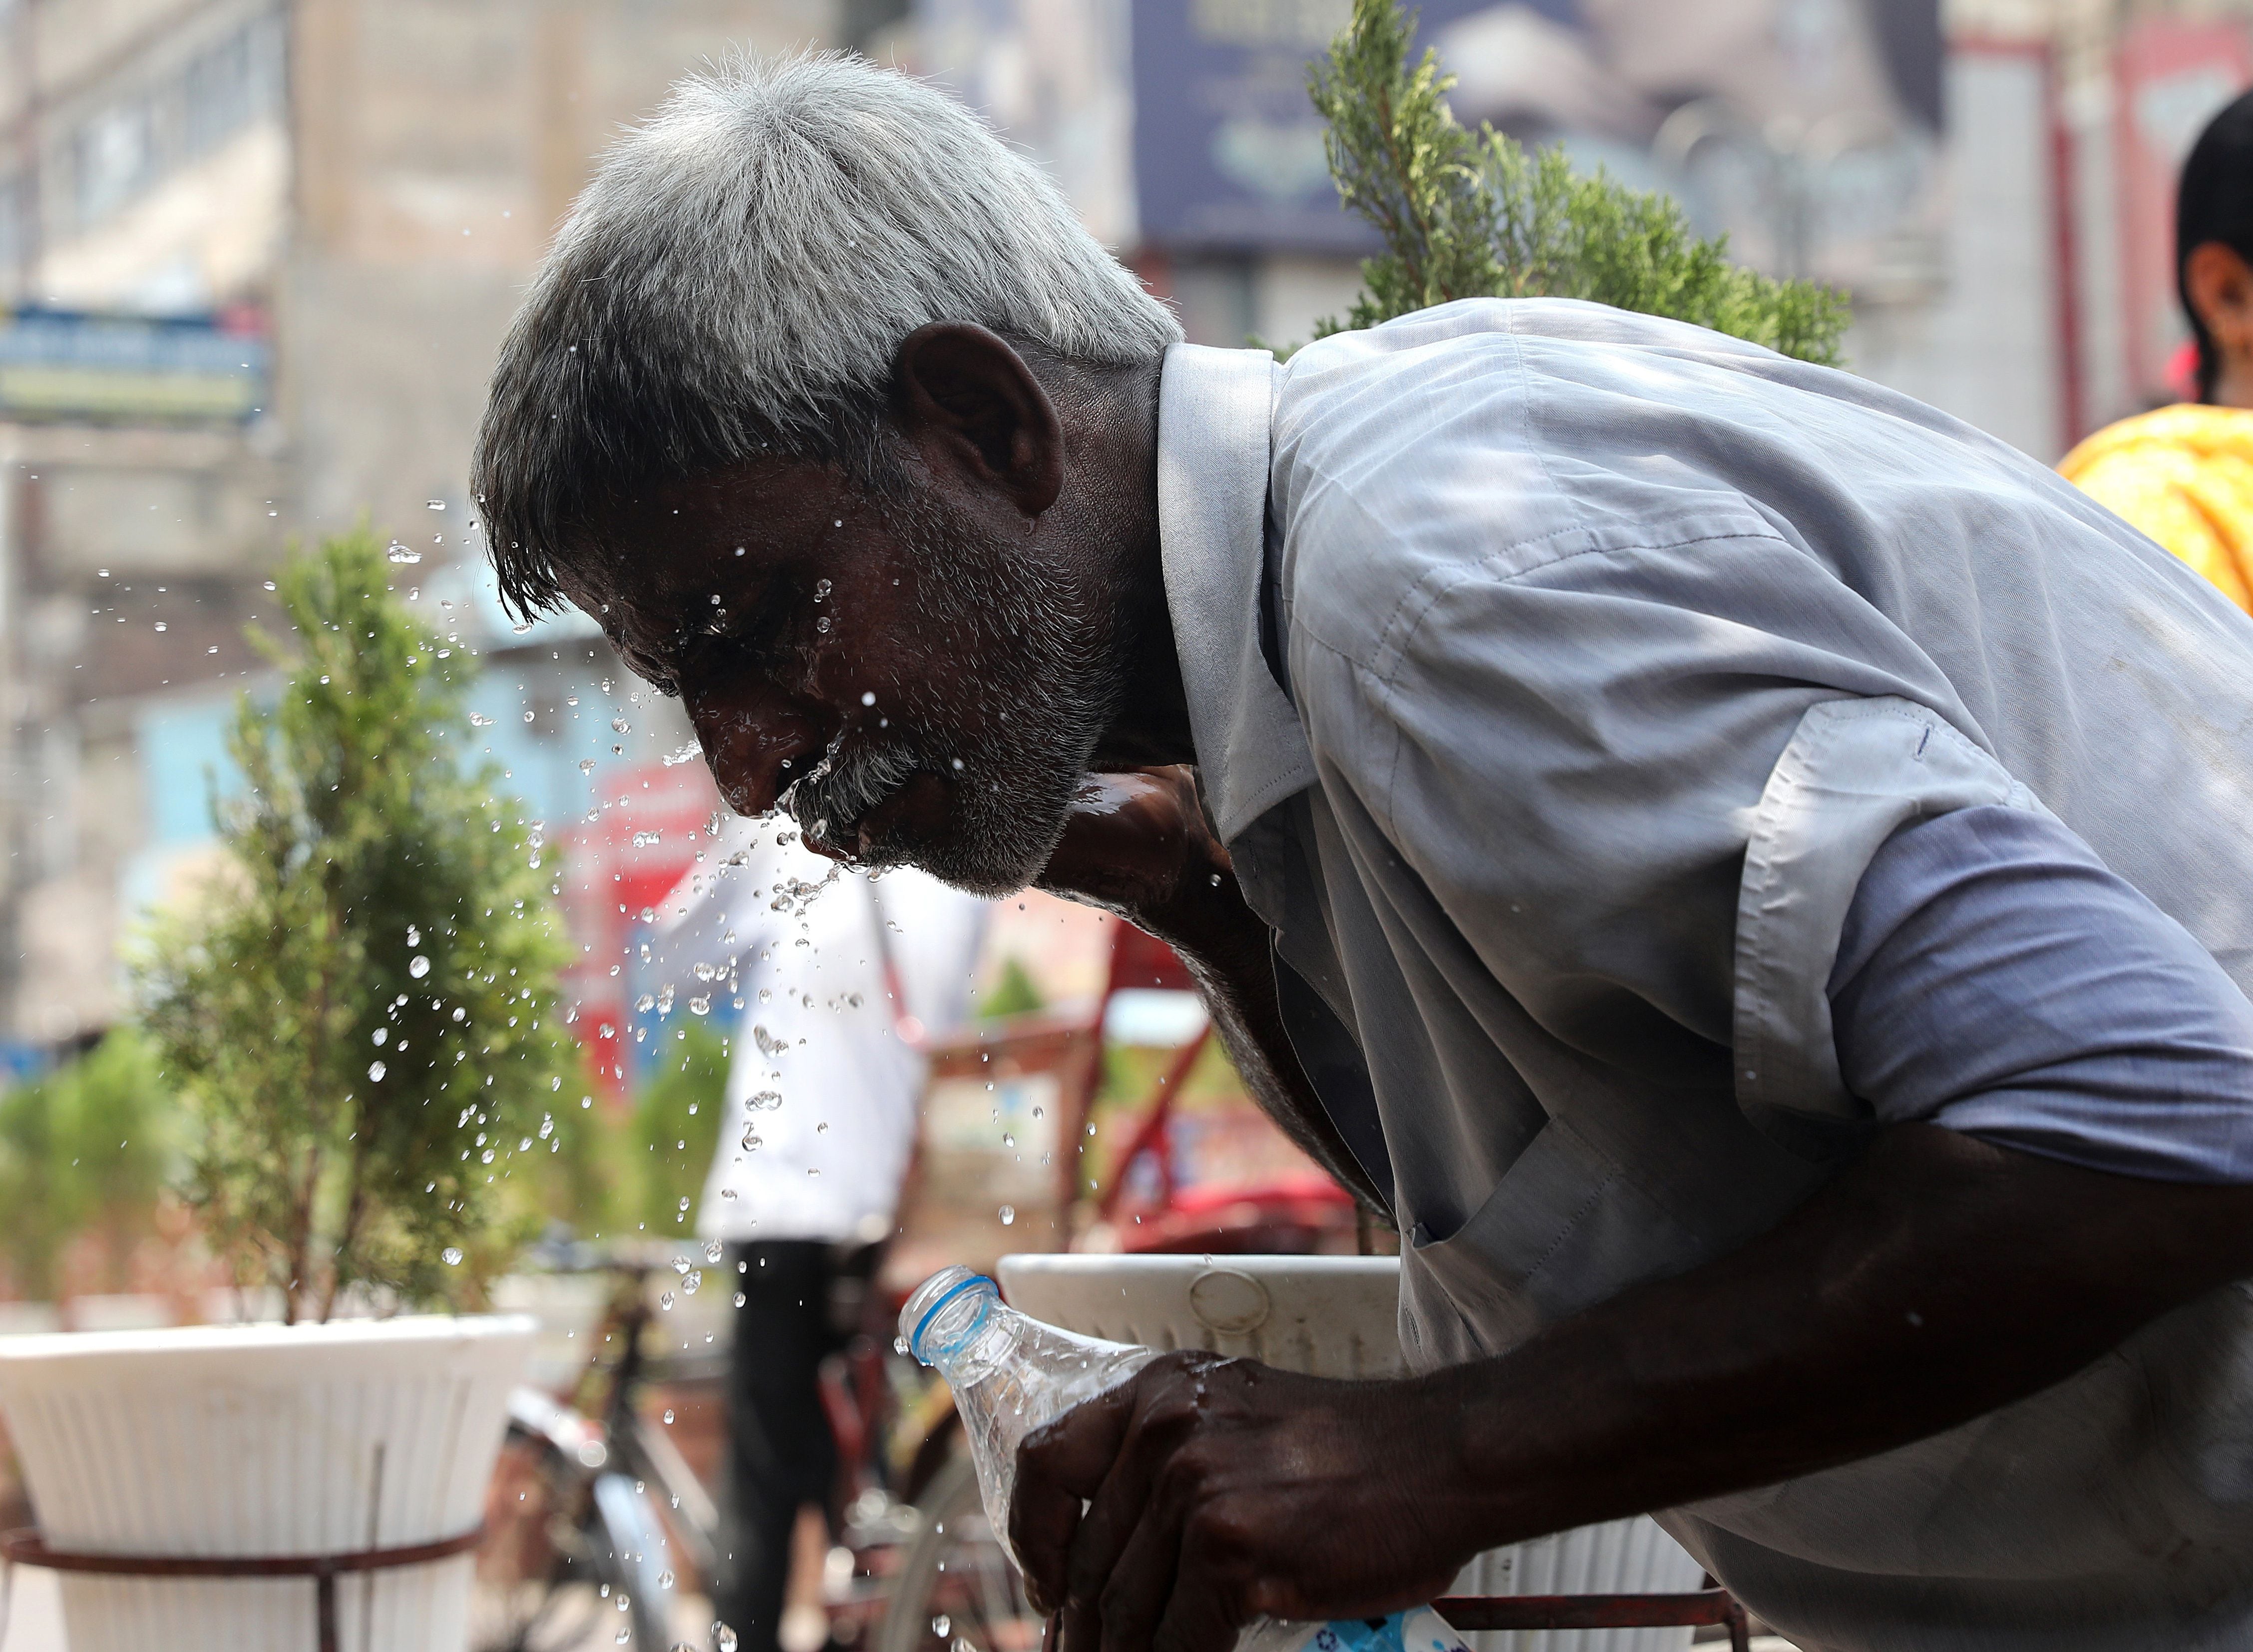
[(1938, 1279), (1139, 844), (1222, 1490)]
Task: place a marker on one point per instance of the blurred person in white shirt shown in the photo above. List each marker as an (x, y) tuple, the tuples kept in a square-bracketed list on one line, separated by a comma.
[(838, 978)]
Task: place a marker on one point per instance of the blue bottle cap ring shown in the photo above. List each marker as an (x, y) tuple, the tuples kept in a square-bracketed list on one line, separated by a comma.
[(915, 1337)]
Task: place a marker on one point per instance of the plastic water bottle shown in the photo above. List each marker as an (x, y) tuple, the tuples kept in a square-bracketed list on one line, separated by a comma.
[(1011, 1375)]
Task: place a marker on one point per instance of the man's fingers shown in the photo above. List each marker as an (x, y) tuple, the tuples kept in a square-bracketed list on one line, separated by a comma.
[(1118, 1515), (1201, 1615), (1131, 1592), (1058, 1467)]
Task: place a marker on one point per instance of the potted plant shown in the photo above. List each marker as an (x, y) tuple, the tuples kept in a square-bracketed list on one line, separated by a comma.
[(360, 1017), (1468, 214)]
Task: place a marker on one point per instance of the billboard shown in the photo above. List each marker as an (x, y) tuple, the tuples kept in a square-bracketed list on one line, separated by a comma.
[(59, 364), (1807, 130)]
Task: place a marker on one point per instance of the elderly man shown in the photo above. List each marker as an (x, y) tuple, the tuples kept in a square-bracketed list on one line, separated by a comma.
[(1749, 871)]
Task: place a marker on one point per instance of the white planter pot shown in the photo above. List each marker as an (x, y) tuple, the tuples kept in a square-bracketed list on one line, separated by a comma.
[(263, 1439), (1338, 1316)]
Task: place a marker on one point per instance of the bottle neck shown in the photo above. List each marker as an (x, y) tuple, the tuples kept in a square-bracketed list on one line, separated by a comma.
[(956, 1323)]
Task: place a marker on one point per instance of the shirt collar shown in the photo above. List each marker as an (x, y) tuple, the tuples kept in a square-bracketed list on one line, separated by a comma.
[(1214, 409)]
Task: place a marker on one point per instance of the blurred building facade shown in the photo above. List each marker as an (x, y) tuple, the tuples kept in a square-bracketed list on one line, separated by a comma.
[(1990, 179), (255, 257)]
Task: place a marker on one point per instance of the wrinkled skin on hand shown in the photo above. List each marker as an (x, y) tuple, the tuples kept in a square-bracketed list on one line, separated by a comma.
[(1219, 1491)]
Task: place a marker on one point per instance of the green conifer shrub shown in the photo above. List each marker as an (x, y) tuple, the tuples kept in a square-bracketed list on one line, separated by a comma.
[(361, 1016), (1472, 214)]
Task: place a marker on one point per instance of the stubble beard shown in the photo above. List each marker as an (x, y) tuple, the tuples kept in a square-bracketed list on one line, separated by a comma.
[(1050, 656)]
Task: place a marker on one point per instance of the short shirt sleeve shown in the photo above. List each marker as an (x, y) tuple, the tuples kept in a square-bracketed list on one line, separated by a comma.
[(1994, 976)]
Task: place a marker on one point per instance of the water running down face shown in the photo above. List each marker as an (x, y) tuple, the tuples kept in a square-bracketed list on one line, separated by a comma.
[(1007, 742), (922, 672), (914, 685)]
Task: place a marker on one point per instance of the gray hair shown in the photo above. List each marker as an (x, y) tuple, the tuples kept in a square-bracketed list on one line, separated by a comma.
[(738, 276)]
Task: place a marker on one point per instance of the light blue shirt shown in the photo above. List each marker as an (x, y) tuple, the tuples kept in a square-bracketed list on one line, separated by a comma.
[(1607, 655)]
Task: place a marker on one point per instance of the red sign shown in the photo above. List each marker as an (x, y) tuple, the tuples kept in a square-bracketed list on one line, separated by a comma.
[(651, 820)]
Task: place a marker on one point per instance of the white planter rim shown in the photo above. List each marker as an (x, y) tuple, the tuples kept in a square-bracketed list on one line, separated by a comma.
[(190, 1341)]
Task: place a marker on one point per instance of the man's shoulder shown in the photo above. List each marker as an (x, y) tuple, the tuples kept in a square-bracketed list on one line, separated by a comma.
[(1499, 435)]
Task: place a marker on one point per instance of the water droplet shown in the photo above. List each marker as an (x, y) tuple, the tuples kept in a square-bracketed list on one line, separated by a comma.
[(688, 753), (643, 840), (438, 505), (382, 1036), (160, 624), (869, 698), (270, 584), (665, 1301), (694, 1277), (1008, 1214), (723, 1637), (479, 720), (618, 725), (821, 624), (714, 1250), (741, 1299), (418, 966), (586, 765), (700, 1005), (400, 554), (451, 1256), (1008, 1140), (821, 589), (942, 1623), (375, 1071), (668, 1578)]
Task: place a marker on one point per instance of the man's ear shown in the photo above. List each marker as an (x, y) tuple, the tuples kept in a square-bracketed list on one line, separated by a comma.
[(968, 401)]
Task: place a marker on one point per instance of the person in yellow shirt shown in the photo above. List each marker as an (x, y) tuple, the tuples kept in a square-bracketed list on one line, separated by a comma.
[(2183, 474)]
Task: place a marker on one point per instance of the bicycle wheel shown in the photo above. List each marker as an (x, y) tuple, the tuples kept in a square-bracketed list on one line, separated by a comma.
[(579, 1561), (957, 1587)]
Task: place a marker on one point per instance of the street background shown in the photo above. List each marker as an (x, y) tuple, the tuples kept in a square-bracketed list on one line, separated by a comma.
[(256, 257)]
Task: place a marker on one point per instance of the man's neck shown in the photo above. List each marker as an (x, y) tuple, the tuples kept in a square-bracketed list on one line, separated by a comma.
[(1152, 727)]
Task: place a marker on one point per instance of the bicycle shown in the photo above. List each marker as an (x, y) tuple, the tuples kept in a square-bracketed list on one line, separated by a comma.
[(606, 1510), (596, 1512)]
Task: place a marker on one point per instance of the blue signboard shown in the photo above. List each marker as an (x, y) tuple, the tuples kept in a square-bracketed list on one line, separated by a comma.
[(1807, 129), (1228, 151), (59, 364)]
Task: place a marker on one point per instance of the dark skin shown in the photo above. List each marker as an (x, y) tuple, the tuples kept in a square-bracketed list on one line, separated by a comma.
[(2220, 288), (1936, 1278)]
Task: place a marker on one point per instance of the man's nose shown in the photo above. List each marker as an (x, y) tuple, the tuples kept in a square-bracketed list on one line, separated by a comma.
[(756, 747)]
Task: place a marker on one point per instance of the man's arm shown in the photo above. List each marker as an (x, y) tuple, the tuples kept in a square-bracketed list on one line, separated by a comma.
[(1938, 1279)]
